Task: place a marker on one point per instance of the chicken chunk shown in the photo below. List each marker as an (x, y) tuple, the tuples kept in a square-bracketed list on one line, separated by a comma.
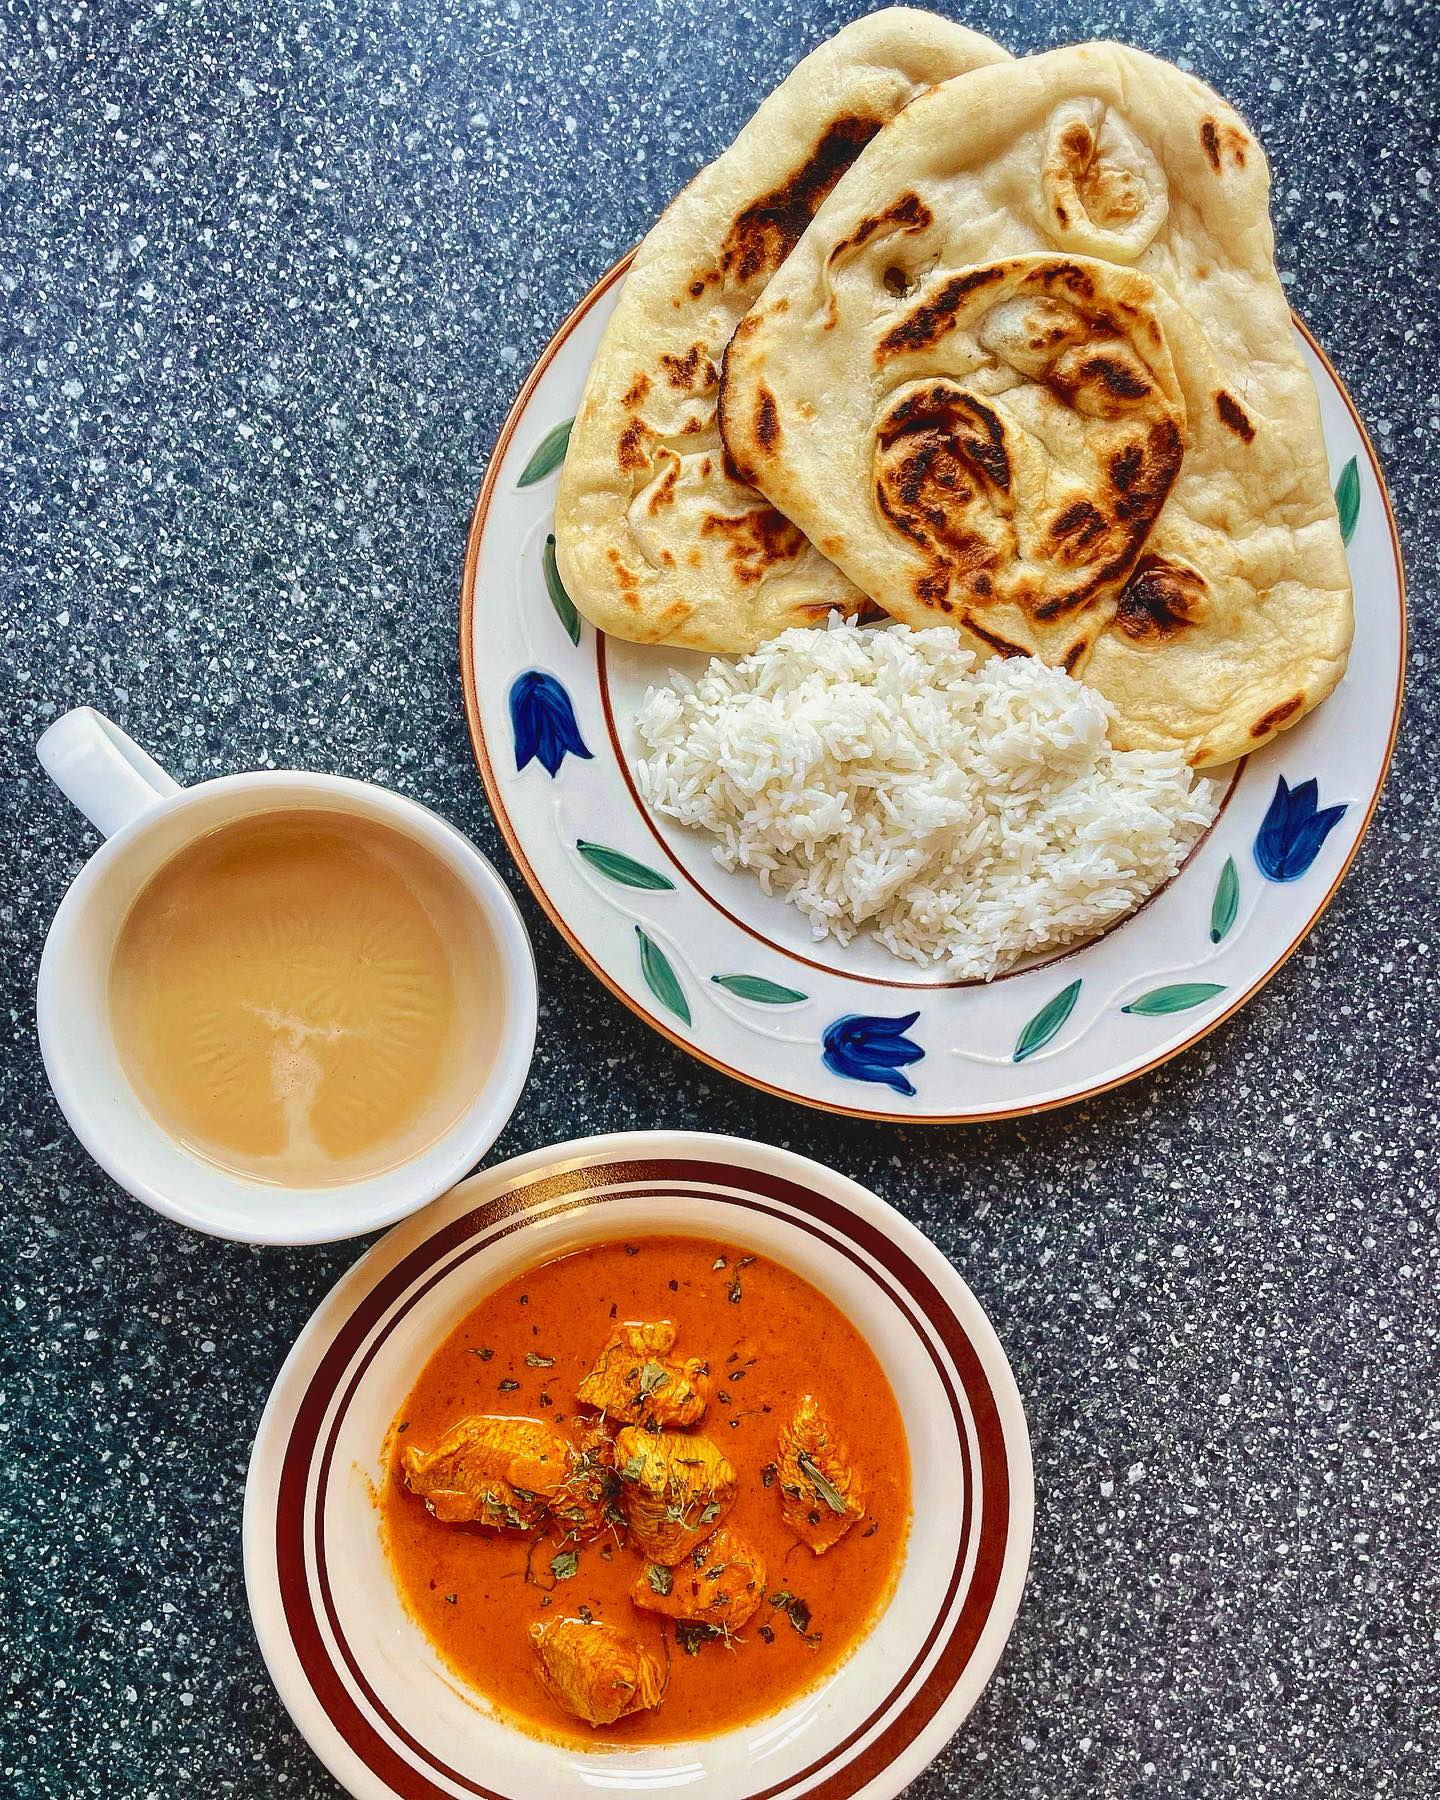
[(595, 1671), (586, 1501), (719, 1584), (820, 1493), (675, 1488), (491, 1471), (635, 1378)]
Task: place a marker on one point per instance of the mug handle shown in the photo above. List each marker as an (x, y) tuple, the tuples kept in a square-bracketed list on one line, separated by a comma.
[(103, 772)]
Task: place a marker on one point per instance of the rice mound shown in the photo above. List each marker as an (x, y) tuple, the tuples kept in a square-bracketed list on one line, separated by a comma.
[(877, 779)]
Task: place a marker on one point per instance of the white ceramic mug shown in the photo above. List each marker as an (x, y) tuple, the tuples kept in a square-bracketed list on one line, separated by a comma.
[(146, 817)]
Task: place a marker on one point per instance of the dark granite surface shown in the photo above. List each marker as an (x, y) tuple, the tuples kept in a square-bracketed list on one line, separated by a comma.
[(269, 277)]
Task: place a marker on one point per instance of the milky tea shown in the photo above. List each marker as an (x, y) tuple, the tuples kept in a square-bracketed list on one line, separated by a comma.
[(305, 997)]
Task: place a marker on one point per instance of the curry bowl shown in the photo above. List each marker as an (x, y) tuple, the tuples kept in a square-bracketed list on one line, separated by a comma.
[(375, 1699)]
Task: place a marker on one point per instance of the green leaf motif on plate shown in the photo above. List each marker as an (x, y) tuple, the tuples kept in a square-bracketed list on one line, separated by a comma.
[(548, 454), (757, 988), (1179, 998), (555, 588), (617, 866), (1038, 1033), (1227, 900), (1347, 499), (660, 978)]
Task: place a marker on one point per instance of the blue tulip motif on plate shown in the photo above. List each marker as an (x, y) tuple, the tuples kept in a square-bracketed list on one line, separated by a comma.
[(543, 720), (865, 1048), (1293, 830)]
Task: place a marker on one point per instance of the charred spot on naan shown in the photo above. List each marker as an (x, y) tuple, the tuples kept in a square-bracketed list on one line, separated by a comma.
[(908, 213), (692, 373), (764, 233), (1001, 646), (625, 579), (755, 541), (1270, 722), (936, 418), (635, 394), (1077, 528), (1121, 378), (663, 492), (767, 421), (1216, 139), (1160, 601), (1233, 414), (927, 323), (632, 450), (733, 470)]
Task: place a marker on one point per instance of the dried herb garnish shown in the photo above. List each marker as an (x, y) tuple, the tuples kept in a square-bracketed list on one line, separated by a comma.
[(632, 1249), (404, 1425), (822, 1485), (768, 1475), (660, 1578), (767, 1633), (690, 1634), (723, 1398), (586, 1615), (451, 1599), (507, 1386), (674, 1286), (524, 1299), (733, 1293), (535, 1361), (484, 1354), (652, 1377), (563, 1566), (744, 1262), (720, 1262), (632, 1470), (546, 1400), (737, 1375), (797, 1611), (871, 1529), (711, 1513)]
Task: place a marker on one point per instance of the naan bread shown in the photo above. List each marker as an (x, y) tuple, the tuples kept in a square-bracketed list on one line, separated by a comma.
[(657, 537), (965, 381)]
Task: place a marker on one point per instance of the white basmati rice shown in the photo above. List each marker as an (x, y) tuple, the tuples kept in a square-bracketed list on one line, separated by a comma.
[(876, 779)]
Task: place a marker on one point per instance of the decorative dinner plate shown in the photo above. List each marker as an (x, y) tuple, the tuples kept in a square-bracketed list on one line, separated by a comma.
[(734, 975), (358, 1675)]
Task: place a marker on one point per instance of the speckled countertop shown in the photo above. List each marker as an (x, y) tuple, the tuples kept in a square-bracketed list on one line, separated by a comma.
[(269, 278)]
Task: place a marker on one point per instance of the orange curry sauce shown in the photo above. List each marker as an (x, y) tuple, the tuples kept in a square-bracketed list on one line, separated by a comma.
[(769, 1337)]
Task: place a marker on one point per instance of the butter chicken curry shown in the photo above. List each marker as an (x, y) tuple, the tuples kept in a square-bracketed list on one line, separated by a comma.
[(649, 1491)]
